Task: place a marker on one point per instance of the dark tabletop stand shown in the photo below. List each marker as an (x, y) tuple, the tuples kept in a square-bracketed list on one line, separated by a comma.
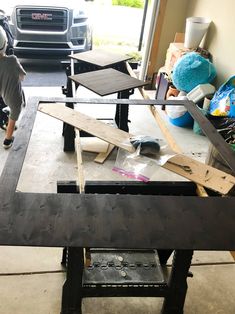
[(109, 81), (113, 79)]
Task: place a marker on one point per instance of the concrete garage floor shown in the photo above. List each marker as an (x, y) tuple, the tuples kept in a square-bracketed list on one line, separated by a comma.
[(31, 279)]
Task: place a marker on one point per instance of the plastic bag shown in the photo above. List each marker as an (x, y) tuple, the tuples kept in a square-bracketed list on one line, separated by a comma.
[(223, 102), (139, 167), (176, 111)]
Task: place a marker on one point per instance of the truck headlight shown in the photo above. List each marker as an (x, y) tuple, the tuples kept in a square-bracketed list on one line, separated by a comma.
[(79, 16)]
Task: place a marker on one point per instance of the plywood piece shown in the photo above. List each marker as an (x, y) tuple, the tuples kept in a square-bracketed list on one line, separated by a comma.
[(94, 145), (106, 81), (101, 157), (100, 57), (92, 126), (200, 173)]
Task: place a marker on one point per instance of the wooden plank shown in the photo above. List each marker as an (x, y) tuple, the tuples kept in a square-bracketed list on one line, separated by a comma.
[(81, 183), (174, 146), (201, 173), (81, 178), (162, 125), (95, 127), (101, 157)]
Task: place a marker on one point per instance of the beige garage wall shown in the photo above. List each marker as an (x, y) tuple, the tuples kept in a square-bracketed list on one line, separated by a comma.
[(221, 35), (174, 21), (220, 39)]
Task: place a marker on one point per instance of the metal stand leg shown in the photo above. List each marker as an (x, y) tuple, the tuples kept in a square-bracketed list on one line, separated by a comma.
[(121, 116), (64, 256), (174, 301), (68, 130), (72, 289), (164, 256)]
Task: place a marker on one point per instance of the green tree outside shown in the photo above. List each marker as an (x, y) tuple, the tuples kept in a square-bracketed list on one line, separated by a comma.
[(129, 3)]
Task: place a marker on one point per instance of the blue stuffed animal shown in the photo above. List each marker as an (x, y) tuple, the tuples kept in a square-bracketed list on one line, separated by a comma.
[(191, 70)]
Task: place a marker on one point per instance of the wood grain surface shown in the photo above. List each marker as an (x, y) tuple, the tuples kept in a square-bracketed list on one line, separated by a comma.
[(107, 81), (92, 126)]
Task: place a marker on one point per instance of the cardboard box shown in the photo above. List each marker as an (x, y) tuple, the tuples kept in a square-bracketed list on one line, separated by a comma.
[(179, 38), (174, 52)]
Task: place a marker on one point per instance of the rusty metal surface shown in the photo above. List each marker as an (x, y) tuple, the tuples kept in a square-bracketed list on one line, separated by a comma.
[(115, 221)]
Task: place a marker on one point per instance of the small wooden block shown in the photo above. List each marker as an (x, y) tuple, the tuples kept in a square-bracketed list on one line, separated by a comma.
[(101, 157), (93, 145)]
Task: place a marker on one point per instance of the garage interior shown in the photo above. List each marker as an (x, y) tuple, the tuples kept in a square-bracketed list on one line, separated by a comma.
[(32, 277)]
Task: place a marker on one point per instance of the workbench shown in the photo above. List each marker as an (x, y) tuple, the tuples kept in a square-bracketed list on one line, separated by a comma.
[(137, 220)]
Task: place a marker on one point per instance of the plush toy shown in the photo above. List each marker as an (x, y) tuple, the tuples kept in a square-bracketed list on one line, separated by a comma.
[(191, 70)]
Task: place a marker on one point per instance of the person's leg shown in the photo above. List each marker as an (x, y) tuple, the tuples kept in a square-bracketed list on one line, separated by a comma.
[(7, 143), (14, 115), (10, 128)]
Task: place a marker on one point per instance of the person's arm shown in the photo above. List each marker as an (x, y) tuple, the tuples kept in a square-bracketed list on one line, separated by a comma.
[(21, 70), (22, 76)]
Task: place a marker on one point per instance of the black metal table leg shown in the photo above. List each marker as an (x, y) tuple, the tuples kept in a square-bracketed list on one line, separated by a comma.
[(174, 301), (69, 137), (164, 256), (72, 289), (121, 115), (64, 256), (68, 130)]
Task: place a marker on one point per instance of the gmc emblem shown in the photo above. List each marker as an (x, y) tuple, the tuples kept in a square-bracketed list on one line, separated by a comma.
[(42, 16)]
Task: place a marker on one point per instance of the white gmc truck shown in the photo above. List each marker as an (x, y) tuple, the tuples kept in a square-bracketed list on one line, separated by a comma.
[(50, 27)]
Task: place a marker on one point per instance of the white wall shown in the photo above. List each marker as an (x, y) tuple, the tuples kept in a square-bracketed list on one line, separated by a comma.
[(220, 39), (174, 21)]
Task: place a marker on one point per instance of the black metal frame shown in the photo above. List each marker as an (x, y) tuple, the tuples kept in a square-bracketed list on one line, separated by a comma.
[(120, 221)]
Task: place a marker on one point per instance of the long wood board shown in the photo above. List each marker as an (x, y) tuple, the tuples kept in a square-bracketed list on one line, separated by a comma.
[(200, 173), (197, 171), (83, 122), (166, 133)]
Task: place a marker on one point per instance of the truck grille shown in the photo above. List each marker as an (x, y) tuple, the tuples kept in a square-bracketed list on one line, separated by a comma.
[(42, 45), (43, 19)]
